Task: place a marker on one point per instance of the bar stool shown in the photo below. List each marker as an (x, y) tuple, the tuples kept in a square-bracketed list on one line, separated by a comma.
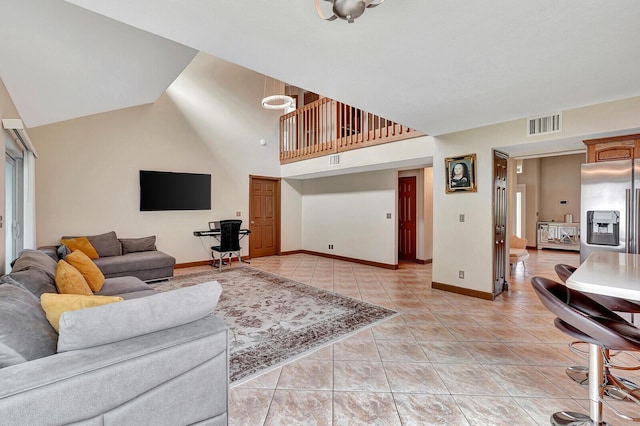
[(579, 374), (585, 319), (612, 303)]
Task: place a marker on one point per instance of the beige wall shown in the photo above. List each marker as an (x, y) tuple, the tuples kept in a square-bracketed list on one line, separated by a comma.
[(428, 214), (530, 177), (468, 246), (209, 121), (350, 212), (560, 180)]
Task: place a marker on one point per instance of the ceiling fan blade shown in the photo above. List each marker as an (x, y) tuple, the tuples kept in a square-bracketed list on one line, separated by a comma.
[(371, 5), (321, 15)]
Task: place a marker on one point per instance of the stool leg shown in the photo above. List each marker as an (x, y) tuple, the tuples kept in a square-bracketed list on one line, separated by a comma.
[(596, 379)]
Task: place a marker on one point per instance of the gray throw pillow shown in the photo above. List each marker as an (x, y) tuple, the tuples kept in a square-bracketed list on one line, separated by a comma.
[(25, 333), (34, 280), (132, 245), (35, 259), (106, 245), (62, 251), (86, 328)]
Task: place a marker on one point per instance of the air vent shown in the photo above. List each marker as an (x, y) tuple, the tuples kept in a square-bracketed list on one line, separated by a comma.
[(544, 125), (334, 160)]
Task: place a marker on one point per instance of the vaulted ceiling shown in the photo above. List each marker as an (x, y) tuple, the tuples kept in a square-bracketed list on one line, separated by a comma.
[(437, 66)]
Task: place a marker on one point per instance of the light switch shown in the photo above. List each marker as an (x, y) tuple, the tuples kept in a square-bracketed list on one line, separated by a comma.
[(461, 218), (388, 215)]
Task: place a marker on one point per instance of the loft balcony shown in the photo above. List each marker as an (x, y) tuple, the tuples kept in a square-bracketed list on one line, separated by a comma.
[(326, 127)]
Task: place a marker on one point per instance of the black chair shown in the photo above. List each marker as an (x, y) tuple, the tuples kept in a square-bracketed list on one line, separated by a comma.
[(579, 374), (582, 317), (229, 241)]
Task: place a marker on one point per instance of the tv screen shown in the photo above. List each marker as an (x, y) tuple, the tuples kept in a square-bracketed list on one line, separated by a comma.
[(174, 191)]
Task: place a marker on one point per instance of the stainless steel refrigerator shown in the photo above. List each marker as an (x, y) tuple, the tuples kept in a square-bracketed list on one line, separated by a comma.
[(610, 207)]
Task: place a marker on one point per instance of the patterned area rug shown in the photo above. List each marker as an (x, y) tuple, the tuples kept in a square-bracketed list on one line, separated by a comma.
[(273, 319)]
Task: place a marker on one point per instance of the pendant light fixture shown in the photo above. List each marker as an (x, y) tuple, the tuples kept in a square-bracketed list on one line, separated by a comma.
[(275, 101), (348, 10)]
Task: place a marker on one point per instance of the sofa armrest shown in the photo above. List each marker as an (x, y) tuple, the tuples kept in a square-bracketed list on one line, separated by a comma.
[(173, 376), (51, 251)]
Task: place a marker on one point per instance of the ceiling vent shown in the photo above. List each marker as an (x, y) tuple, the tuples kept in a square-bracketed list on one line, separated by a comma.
[(544, 125), (334, 160)]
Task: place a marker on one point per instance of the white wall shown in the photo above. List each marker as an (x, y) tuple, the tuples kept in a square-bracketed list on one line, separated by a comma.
[(428, 214), (468, 246), (463, 246), (290, 215), (350, 212), (209, 121), (415, 152)]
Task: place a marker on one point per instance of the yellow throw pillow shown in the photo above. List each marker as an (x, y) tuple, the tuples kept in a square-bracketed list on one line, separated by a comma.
[(54, 305), (82, 244), (91, 273), (70, 281)]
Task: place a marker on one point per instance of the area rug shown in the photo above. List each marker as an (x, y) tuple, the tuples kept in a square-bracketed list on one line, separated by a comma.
[(273, 319)]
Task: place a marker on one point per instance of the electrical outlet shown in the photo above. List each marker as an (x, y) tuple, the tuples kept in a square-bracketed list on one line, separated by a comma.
[(388, 215), (238, 214), (330, 246), (461, 274)]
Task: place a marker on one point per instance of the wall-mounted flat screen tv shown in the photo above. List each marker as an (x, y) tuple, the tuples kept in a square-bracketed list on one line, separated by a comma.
[(174, 191)]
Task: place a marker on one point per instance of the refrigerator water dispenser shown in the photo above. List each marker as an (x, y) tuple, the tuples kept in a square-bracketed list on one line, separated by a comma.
[(603, 227)]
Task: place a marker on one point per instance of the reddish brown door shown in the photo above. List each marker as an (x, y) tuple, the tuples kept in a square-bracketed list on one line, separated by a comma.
[(264, 216), (407, 218)]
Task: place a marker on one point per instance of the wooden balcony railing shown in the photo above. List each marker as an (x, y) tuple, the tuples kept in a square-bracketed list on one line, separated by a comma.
[(326, 127)]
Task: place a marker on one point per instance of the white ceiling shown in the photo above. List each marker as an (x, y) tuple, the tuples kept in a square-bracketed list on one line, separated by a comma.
[(437, 66)]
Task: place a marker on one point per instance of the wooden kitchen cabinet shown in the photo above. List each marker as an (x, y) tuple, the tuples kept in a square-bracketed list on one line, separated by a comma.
[(614, 148)]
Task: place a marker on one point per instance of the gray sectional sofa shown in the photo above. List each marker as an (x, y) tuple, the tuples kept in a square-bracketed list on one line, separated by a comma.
[(152, 359), (123, 257)]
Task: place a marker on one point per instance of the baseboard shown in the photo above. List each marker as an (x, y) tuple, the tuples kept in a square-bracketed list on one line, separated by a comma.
[(461, 290), (284, 253), (331, 256), (348, 259), (423, 261), (192, 264), (204, 262)]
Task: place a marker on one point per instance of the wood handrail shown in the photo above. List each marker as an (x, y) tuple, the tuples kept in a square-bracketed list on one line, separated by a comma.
[(325, 127)]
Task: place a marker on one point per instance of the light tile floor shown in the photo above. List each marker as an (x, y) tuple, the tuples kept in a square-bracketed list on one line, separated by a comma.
[(447, 359)]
